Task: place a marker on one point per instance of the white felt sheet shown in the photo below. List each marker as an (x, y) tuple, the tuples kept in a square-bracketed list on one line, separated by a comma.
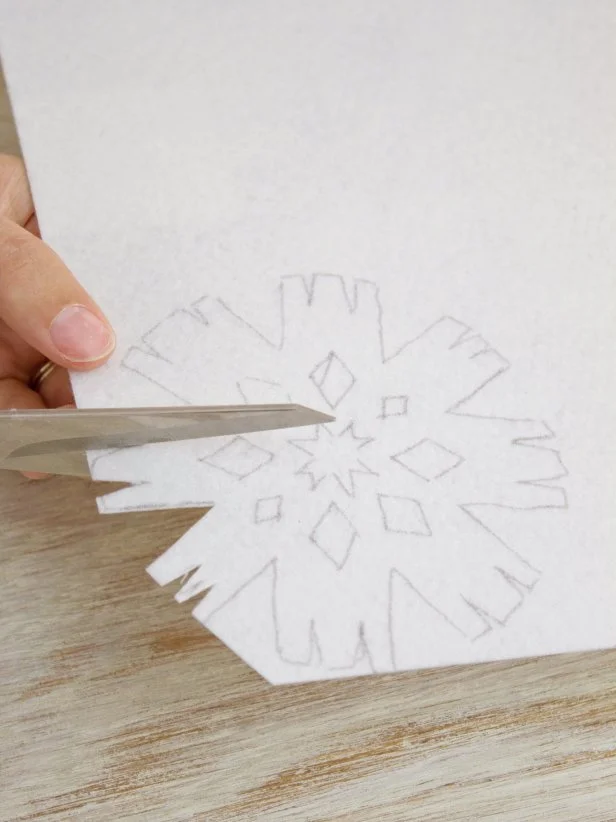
[(398, 212)]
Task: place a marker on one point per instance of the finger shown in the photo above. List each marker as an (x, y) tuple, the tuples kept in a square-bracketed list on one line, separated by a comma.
[(15, 197), (56, 390), (14, 394), (43, 303), (32, 226)]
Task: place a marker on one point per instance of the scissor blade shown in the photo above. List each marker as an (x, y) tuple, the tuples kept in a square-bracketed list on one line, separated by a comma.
[(38, 433), (65, 463)]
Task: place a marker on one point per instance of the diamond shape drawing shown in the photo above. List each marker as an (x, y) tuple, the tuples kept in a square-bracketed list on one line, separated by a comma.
[(428, 460), (239, 458), (268, 509), (394, 406), (403, 515), (333, 379), (334, 534)]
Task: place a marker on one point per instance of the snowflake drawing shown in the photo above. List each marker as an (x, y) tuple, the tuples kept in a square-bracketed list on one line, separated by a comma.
[(312, 532)]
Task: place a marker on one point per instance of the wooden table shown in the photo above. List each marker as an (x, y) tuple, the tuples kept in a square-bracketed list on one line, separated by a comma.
[(117, 705)]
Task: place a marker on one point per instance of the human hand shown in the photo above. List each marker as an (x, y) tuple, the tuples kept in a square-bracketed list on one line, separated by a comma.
[(44, 313)]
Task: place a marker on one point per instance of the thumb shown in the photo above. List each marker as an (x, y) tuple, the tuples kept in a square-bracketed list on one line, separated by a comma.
[(45, 305)]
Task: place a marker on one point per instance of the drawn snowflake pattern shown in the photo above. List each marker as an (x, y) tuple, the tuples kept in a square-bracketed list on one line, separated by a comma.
[(331, 518)]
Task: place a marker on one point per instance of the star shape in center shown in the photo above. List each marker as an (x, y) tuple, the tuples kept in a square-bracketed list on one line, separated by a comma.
[(335, 455)]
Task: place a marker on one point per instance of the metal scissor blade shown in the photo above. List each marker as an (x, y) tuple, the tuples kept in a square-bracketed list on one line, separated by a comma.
[(66, 464), (38, 440)]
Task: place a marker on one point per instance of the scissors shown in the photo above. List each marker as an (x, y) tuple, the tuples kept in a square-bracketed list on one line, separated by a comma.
[(54, 441)]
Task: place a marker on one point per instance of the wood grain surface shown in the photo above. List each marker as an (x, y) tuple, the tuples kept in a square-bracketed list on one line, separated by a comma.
[(116, 705)]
